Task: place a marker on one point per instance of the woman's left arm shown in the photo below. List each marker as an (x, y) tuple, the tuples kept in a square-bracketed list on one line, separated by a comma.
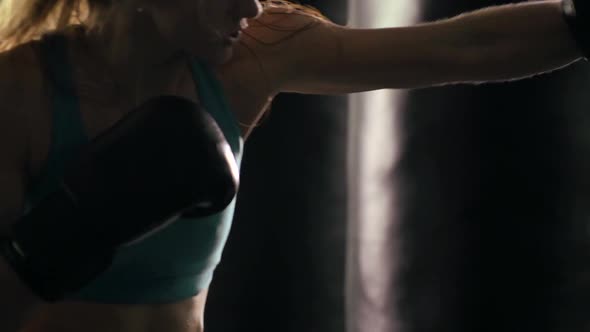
[(498, 43)]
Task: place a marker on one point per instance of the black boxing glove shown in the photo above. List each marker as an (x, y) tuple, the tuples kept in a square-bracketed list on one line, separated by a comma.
[(577, 16), (164, 158)]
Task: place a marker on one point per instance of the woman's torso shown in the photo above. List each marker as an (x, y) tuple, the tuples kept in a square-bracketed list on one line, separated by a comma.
[(248, 95)]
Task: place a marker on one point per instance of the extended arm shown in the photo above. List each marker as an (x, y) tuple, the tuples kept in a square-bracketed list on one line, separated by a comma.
[(497, 43)]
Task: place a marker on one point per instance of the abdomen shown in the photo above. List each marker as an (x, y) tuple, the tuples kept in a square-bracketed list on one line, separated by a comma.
[(182, 316)]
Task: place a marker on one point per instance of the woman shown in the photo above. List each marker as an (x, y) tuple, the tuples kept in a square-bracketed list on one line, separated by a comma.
[(104, 58)]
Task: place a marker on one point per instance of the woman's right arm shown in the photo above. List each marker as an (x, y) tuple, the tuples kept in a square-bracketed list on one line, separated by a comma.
[(16, 301)]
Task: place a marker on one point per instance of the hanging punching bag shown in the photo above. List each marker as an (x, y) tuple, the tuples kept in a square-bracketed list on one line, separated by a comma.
[(471, 214)]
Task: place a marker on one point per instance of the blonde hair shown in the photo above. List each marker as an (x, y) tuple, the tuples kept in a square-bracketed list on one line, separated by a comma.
[(25, 20)]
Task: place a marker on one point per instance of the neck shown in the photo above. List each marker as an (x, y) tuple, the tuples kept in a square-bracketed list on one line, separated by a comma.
[(132, 55)]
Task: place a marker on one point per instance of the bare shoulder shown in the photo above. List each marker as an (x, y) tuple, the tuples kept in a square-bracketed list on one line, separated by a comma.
[(276, 25), (20, 81), (266, 58), (272, 40)]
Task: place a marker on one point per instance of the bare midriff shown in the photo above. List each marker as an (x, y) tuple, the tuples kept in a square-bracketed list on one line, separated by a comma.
[(183, 316)]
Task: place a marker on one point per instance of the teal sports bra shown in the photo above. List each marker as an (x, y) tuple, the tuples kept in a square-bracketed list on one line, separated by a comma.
[(171, 265)]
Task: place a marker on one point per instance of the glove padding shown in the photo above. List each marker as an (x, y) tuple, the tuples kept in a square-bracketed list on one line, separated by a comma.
[(163, 159)]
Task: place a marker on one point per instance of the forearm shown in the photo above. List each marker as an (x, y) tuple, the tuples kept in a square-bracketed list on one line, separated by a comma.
[(16, 302), (513, 41)]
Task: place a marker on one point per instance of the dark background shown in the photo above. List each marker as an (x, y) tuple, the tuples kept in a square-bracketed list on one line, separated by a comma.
[(496, 236)]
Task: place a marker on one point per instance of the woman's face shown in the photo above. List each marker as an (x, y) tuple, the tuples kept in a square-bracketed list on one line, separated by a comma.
[(202, 27)]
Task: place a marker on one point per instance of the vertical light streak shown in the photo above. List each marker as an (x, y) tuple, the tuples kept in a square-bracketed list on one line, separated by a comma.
[(373, 150)]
